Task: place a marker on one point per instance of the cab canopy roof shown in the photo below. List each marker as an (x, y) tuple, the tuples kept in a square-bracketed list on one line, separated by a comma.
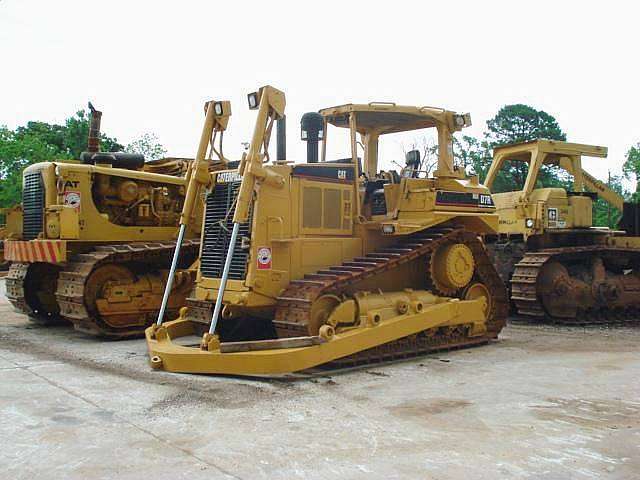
[(381, 117), (523, 151)]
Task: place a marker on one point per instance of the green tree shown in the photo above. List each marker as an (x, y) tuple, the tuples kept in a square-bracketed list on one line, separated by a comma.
[(69, 139), (76, 130), (605, 215), (631, 169), (522, 123), (41, 142), (473, 155), (147, 145), (17, 152)]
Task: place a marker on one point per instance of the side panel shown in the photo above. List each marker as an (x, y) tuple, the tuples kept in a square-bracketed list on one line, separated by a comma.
[(304, 226), (326, 208), (299, 229)]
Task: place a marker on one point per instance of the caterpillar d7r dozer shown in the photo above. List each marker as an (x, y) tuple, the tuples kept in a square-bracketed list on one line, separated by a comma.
[(324, 263), (95, 238), (559, 267)]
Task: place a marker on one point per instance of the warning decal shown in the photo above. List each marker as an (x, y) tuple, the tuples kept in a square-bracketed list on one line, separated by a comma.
[(264, 258), (71, 199)]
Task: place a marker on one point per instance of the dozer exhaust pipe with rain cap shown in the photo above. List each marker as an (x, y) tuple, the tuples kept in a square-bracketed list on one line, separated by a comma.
[(318, 263)]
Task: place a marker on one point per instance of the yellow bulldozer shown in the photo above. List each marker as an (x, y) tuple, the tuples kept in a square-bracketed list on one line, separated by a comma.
[(333, 261), (559, 267), (94, 238)]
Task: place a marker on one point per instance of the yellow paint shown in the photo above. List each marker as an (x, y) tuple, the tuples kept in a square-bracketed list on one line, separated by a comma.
[(173, 357), (548, 209), (310, 222)]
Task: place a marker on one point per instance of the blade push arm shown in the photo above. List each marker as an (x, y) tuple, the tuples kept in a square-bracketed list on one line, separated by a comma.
[(270, 103), (198, 176)]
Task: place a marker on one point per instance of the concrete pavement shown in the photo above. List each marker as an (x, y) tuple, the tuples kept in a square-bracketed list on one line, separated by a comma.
[(541, 403)]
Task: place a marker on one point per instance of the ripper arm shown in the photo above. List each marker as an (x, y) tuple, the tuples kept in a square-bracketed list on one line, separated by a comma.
[(582, 179)]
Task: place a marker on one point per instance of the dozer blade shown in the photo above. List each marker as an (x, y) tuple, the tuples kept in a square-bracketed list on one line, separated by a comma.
[(289, 355)]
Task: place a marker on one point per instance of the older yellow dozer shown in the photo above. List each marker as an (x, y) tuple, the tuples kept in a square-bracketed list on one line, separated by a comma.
[(559, 266), (92, 240), (326, 262)]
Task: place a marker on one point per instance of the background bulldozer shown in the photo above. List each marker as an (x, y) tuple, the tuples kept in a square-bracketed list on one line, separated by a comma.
[(334, 261), (94, 238), (560, 267)]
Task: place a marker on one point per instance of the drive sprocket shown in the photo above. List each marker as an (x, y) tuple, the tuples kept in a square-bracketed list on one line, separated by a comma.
[(451, 268)]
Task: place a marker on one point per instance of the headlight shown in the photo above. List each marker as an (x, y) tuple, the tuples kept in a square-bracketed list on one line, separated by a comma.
[(217, 108), (529, 223), (463, 120), (253, 100), (388, 229)]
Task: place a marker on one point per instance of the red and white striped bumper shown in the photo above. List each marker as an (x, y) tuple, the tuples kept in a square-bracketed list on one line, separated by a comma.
[(50, 251)]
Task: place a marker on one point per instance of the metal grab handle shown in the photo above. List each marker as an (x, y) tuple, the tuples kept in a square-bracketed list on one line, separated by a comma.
[(382, 104)]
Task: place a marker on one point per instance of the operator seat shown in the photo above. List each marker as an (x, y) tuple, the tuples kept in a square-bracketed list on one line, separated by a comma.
[(412, 164)]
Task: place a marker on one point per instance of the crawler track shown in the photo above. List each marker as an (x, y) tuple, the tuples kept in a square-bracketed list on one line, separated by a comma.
[(15, 287), (76, 294), (4, 264), (293, 309), (31, 290), (529, 301)]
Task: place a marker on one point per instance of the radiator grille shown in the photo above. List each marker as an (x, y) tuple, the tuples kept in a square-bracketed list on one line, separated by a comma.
[(32, 205), (218, 224)]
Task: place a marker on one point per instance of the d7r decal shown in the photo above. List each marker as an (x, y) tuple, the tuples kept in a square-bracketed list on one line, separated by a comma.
[(464, 199)]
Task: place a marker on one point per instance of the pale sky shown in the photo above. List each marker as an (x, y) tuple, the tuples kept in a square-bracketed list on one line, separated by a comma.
[(149, 66)]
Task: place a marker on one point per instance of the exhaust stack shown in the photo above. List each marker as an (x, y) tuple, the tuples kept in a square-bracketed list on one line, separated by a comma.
[(93, 145), (311, 131), (281, 138)]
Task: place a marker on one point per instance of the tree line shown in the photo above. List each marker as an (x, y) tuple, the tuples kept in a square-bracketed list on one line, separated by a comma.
[(40, 141), (522, 123)]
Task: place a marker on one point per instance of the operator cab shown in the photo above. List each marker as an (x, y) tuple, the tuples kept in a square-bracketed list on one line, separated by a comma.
[(529, 200), (364, 124)]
